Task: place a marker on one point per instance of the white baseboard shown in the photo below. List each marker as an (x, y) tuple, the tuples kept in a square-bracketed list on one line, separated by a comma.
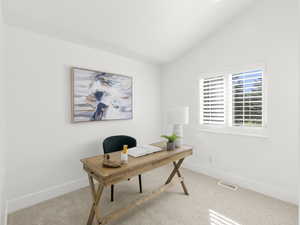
[(262, 188), (52, 192)]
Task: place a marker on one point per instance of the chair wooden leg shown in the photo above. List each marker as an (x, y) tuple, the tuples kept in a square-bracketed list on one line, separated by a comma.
[(140, 183), (112, 193)]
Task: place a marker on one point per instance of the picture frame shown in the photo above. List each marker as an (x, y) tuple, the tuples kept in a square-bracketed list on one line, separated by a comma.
[(100, 96)]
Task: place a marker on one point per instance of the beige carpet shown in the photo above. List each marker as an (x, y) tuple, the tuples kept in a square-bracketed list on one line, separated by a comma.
[(208, 204)]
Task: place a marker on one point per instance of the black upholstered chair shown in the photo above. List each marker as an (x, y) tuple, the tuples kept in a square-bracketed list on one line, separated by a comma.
[(116, 143)]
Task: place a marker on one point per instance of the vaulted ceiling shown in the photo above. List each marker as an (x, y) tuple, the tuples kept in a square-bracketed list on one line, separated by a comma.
[(153, 30)]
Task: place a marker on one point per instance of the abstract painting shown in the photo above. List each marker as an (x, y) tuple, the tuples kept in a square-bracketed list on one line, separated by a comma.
[(100, 96)]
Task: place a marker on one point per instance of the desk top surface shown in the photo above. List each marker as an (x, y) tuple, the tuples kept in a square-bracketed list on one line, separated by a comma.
[(95, 164)]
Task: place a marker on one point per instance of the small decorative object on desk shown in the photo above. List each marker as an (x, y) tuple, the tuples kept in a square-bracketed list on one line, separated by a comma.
[(109, 163), (124, 154), (171, 141)]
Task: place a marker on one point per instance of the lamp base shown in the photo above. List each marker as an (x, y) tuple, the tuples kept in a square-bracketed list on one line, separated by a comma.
[(178, 130)]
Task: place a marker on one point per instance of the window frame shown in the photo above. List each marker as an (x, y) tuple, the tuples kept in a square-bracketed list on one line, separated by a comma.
[(228, 127)]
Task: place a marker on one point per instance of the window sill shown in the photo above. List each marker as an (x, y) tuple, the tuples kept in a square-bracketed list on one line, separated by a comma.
[(235, 132)]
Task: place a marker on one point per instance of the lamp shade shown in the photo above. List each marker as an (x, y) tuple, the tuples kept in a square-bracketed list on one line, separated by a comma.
[(178, 115)]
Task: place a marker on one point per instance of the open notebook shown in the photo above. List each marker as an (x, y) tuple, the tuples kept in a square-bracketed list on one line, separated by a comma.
[(143, 150)]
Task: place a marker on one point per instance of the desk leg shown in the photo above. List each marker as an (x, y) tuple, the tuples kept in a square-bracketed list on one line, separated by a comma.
[(92, 186), (182, 182), (176, 171), (96, 200)]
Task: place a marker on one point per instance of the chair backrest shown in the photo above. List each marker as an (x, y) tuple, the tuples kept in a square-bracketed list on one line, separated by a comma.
[(115, 143)]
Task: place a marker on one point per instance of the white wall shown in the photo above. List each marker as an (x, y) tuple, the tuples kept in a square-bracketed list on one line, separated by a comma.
[(2, 121), (264, 34), (44, 147)]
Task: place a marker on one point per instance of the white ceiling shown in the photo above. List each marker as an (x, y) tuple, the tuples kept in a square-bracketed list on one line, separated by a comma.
[(153, 30)]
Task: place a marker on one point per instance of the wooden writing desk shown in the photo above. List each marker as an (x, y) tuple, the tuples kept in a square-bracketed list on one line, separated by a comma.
[(107, 176)]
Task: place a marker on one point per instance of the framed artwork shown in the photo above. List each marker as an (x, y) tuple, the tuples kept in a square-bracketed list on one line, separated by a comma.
[(100, 96)]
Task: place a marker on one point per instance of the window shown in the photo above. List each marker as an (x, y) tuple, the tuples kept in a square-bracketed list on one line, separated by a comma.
[(213, 100), (247, 99), (234, 100)]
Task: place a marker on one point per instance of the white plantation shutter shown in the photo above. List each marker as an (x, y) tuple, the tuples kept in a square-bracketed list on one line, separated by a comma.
[(212, 96), (247, 98)]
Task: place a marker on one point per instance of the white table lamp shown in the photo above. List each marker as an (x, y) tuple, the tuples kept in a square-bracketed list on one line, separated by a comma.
[(178, 116)]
